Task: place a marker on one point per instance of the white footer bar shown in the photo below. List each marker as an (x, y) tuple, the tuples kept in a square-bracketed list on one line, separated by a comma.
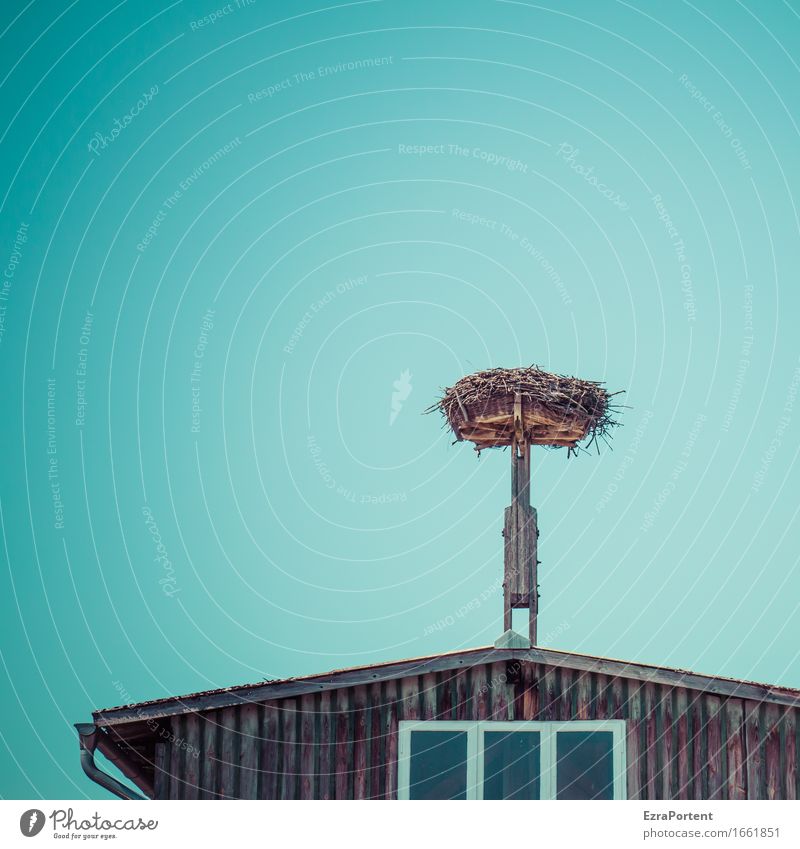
[(401, 824)]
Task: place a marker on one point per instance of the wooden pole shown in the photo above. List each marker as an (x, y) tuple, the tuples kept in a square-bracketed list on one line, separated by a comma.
[(520, 549)]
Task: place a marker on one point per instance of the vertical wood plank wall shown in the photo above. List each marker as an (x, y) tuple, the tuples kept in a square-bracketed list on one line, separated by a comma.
[(343, 744)]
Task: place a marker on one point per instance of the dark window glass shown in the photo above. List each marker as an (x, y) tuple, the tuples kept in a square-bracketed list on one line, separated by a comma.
[(585, 767), (511, 765), (438, 765)]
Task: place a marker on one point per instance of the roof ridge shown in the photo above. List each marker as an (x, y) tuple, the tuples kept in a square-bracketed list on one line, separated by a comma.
[(328, 680)]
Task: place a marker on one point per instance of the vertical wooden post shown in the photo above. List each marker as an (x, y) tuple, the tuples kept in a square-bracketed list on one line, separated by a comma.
[(520, 549)]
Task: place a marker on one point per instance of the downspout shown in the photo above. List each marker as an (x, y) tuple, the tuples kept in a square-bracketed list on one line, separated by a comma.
[(88, 734)]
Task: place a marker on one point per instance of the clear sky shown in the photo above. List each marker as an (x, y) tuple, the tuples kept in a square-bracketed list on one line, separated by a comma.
[(232, 233)]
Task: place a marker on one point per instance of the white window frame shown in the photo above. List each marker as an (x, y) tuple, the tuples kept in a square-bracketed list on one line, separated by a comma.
[(547, 750), (404, 751)]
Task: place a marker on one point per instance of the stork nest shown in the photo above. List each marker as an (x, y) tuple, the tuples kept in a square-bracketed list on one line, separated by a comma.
[(556, 411)]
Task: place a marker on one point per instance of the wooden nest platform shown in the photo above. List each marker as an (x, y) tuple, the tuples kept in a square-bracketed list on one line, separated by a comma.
[(511, 406)]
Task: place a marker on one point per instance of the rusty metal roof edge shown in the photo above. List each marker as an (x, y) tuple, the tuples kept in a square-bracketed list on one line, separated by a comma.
[(286, 687), (299, 680)]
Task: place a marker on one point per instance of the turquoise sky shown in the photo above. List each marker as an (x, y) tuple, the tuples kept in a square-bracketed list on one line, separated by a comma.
[(231, 233)]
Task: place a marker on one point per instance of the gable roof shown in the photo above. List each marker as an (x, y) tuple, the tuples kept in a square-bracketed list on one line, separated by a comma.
[(290, 687)]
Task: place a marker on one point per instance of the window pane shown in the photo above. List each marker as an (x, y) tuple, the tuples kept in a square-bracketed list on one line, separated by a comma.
[(585, 768), (511, 765), (438, 765)]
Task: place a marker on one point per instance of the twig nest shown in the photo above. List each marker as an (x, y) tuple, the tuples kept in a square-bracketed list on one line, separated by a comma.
[(551, 409)]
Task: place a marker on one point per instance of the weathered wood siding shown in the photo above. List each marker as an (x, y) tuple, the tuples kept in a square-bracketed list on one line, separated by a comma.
[(342, 744)]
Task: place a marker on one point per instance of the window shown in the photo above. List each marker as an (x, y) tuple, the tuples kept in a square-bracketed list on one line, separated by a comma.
[(439, 765), (512, 760), (511, 764)]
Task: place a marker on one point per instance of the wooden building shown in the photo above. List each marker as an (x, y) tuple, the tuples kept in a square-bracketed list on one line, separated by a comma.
[(487, 723), (510, 721)]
